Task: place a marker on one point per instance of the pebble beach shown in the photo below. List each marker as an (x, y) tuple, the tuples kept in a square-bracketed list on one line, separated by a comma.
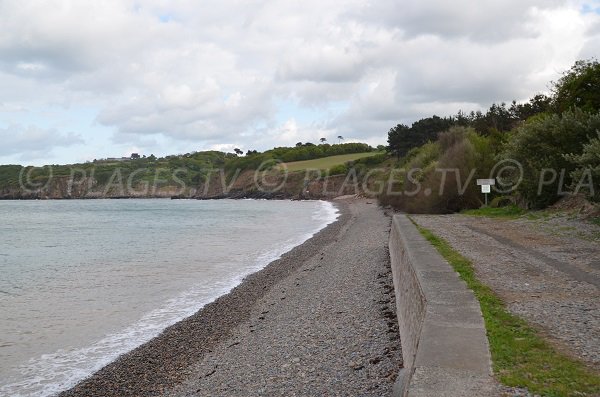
[(318, 321)]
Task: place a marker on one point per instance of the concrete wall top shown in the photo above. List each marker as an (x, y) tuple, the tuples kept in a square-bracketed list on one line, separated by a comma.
[(447, 352)]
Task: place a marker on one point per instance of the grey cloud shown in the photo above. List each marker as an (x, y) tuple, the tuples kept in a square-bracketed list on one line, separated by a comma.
[(186, 116), (491, 21), (312, 94), (322, 64), (467, 73), (57, 39), (34, 141), (216, 70)]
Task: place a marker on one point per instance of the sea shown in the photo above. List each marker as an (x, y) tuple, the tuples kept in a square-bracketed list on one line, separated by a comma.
[(84, 281)]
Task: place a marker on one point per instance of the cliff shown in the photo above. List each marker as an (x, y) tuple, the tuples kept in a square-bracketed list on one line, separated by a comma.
[(245, 184)]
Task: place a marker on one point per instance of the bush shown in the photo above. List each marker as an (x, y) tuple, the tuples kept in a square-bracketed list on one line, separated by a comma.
[(372, 160), (436, 189), (9, 175), (541, 145), (339, 169), (586, 178)]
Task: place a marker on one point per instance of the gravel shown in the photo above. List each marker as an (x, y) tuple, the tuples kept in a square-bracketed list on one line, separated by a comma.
[(549, 277), (319, 321)]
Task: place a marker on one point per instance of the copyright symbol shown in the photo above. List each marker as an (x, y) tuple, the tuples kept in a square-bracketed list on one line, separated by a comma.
[(509, 174)]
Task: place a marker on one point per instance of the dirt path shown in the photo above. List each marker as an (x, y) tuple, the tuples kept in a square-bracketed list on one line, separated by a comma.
[(549, 276)]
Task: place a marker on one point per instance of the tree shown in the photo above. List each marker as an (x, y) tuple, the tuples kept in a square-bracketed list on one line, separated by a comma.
[(323, 140), (427, 129), (238, 151), (541, 145), (299, 144), (540, 103), (397, 140), (402, 138), (579, 87), (462, 119), (499, 118), (340, 138), (588, 169)]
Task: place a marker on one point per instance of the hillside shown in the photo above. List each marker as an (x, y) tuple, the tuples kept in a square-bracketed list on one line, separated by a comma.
[(326, 162), (208, 174)]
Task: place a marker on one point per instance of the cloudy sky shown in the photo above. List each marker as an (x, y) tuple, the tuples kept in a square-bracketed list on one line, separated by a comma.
[(89, 79)]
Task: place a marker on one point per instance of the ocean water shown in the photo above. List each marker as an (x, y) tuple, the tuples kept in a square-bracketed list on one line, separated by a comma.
[(83, 281)]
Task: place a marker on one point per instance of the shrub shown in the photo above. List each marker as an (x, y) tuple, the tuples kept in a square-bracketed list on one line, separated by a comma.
[(372, 160), (339, 169), (446, 182), (586, 177), (540, 146)]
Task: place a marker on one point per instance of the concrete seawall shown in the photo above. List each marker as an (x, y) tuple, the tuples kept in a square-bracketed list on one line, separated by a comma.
[(444, 342)]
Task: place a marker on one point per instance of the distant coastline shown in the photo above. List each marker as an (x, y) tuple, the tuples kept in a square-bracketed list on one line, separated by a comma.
[(243, 186)]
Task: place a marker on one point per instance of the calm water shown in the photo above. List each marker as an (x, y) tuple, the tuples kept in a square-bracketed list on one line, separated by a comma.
[(82, 282)]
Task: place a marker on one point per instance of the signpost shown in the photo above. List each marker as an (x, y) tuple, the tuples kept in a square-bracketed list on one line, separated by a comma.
[(486, 187)]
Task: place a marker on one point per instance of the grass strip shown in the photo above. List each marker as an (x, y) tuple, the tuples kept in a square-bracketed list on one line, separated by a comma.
[(511, 211), (520, 356)]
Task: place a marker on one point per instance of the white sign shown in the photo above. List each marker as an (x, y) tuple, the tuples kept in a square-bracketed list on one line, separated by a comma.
[(484, 182), (485, 188)]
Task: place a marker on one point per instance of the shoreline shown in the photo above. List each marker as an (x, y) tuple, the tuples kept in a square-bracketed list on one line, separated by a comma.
[(163, 362)]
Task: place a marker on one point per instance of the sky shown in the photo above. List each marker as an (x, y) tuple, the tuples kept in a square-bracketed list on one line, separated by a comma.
[(82, 79)]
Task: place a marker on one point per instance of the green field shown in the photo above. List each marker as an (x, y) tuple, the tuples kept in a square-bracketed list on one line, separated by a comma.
[(326, 162)]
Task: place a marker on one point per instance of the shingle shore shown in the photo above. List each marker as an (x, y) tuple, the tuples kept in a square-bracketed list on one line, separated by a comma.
[(318, 321)]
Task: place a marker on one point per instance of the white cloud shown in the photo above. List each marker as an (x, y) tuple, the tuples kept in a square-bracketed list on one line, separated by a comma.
[(321, 63), (34, 142), (212, 73), (478, 21)]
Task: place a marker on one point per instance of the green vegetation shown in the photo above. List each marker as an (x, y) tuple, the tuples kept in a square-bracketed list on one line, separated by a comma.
[(520, 356), (546, 147), (580, 86), (9, 175), (541, 144), (510, 211), (190, 169), (327, 162), (588, 169), (402, 138), (302, 151), (554, 139), (439, 176)]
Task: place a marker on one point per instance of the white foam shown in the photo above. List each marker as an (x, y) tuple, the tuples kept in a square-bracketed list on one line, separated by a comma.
[(50, 374)]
